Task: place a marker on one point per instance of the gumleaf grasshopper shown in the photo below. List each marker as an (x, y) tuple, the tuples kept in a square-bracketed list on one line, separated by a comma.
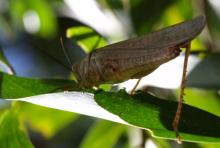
[(138, 57)]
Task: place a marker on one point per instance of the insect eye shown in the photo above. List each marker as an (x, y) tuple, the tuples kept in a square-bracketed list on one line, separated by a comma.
[(109, 68)]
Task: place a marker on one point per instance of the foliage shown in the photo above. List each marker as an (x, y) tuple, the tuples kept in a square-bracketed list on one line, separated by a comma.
[(12, 134)]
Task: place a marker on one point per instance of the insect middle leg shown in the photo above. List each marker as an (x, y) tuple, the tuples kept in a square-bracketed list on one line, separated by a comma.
[(136, 85)]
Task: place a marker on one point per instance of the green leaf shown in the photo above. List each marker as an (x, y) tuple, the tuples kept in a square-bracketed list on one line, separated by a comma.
[(146, 111), (206, 73), (45, 120), (86, 38), (4, 65), (17, 9), (11, 133), (43, 10), (145, 14), (141, 110), (161, 143), (207, 100), (17, 87), (113, 4), (208, 145), (48, 23), (103, 134)]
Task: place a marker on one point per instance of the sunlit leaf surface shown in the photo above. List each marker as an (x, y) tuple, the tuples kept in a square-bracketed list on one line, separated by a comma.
[(86, 38)]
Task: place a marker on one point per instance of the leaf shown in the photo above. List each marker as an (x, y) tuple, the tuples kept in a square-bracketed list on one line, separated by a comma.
[(206, 73), (47, 121), (11, 133), (44, 14), (146, 111), (17, 87), (86, 38), (144, 14), (77, 102), (141, 110), (106, 132), (213, 22), (113, 4), (4, 65), (48, 22), (207, 100)]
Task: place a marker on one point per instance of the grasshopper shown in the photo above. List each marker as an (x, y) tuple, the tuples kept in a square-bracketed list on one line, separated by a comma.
[(138, 57)]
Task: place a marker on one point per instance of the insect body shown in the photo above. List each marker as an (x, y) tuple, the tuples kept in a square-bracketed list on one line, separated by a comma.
[(137, 57)]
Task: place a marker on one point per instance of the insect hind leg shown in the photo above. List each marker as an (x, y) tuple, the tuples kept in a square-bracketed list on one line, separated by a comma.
[(177, 117)]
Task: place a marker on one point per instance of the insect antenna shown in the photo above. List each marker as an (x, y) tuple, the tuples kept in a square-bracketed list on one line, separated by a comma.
[(66, 54), (41, 50), (96, 43)]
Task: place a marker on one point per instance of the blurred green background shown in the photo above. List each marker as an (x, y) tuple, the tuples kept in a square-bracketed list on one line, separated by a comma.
[(30, 46)]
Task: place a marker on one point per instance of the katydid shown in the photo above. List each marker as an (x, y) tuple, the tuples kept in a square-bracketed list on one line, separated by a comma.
[(138, 57)]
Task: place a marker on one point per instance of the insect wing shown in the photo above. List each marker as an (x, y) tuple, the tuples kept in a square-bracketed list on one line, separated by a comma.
[(172, 36)]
